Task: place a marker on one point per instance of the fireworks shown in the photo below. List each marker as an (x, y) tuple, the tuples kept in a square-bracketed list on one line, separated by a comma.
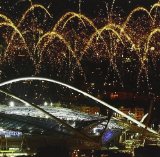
[(128, 47)]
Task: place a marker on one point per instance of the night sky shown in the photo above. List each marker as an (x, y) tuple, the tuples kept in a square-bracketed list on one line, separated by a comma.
[(92, 8), (98, 76)]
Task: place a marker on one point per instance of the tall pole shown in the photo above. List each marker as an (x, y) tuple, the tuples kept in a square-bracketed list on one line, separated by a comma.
[(148, 118)]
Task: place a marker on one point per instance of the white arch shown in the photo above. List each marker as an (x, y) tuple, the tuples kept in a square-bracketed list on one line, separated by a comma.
[(82, 92)]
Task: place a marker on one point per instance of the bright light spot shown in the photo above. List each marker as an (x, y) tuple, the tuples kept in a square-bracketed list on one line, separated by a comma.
[(11, 104), (1, 129), (27, 105), (47, 117), (152, 48), (45, 103)]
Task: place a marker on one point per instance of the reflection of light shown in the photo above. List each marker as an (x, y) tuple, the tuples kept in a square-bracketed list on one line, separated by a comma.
[(11, 104)]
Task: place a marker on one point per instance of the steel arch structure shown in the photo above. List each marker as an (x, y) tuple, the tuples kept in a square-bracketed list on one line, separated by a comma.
[(79, 91)]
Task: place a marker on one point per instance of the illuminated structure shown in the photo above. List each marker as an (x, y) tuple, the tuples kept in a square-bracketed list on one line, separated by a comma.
[(90, 110), (60, 125), (137, 113)]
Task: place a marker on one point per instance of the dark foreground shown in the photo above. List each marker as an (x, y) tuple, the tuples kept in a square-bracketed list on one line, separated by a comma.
[(147, 151)]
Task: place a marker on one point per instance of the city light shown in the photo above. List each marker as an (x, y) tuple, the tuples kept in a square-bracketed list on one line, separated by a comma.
[(45, 103), (11, 104)]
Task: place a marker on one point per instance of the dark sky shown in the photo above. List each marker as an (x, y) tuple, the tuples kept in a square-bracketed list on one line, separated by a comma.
[(15, 8)]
